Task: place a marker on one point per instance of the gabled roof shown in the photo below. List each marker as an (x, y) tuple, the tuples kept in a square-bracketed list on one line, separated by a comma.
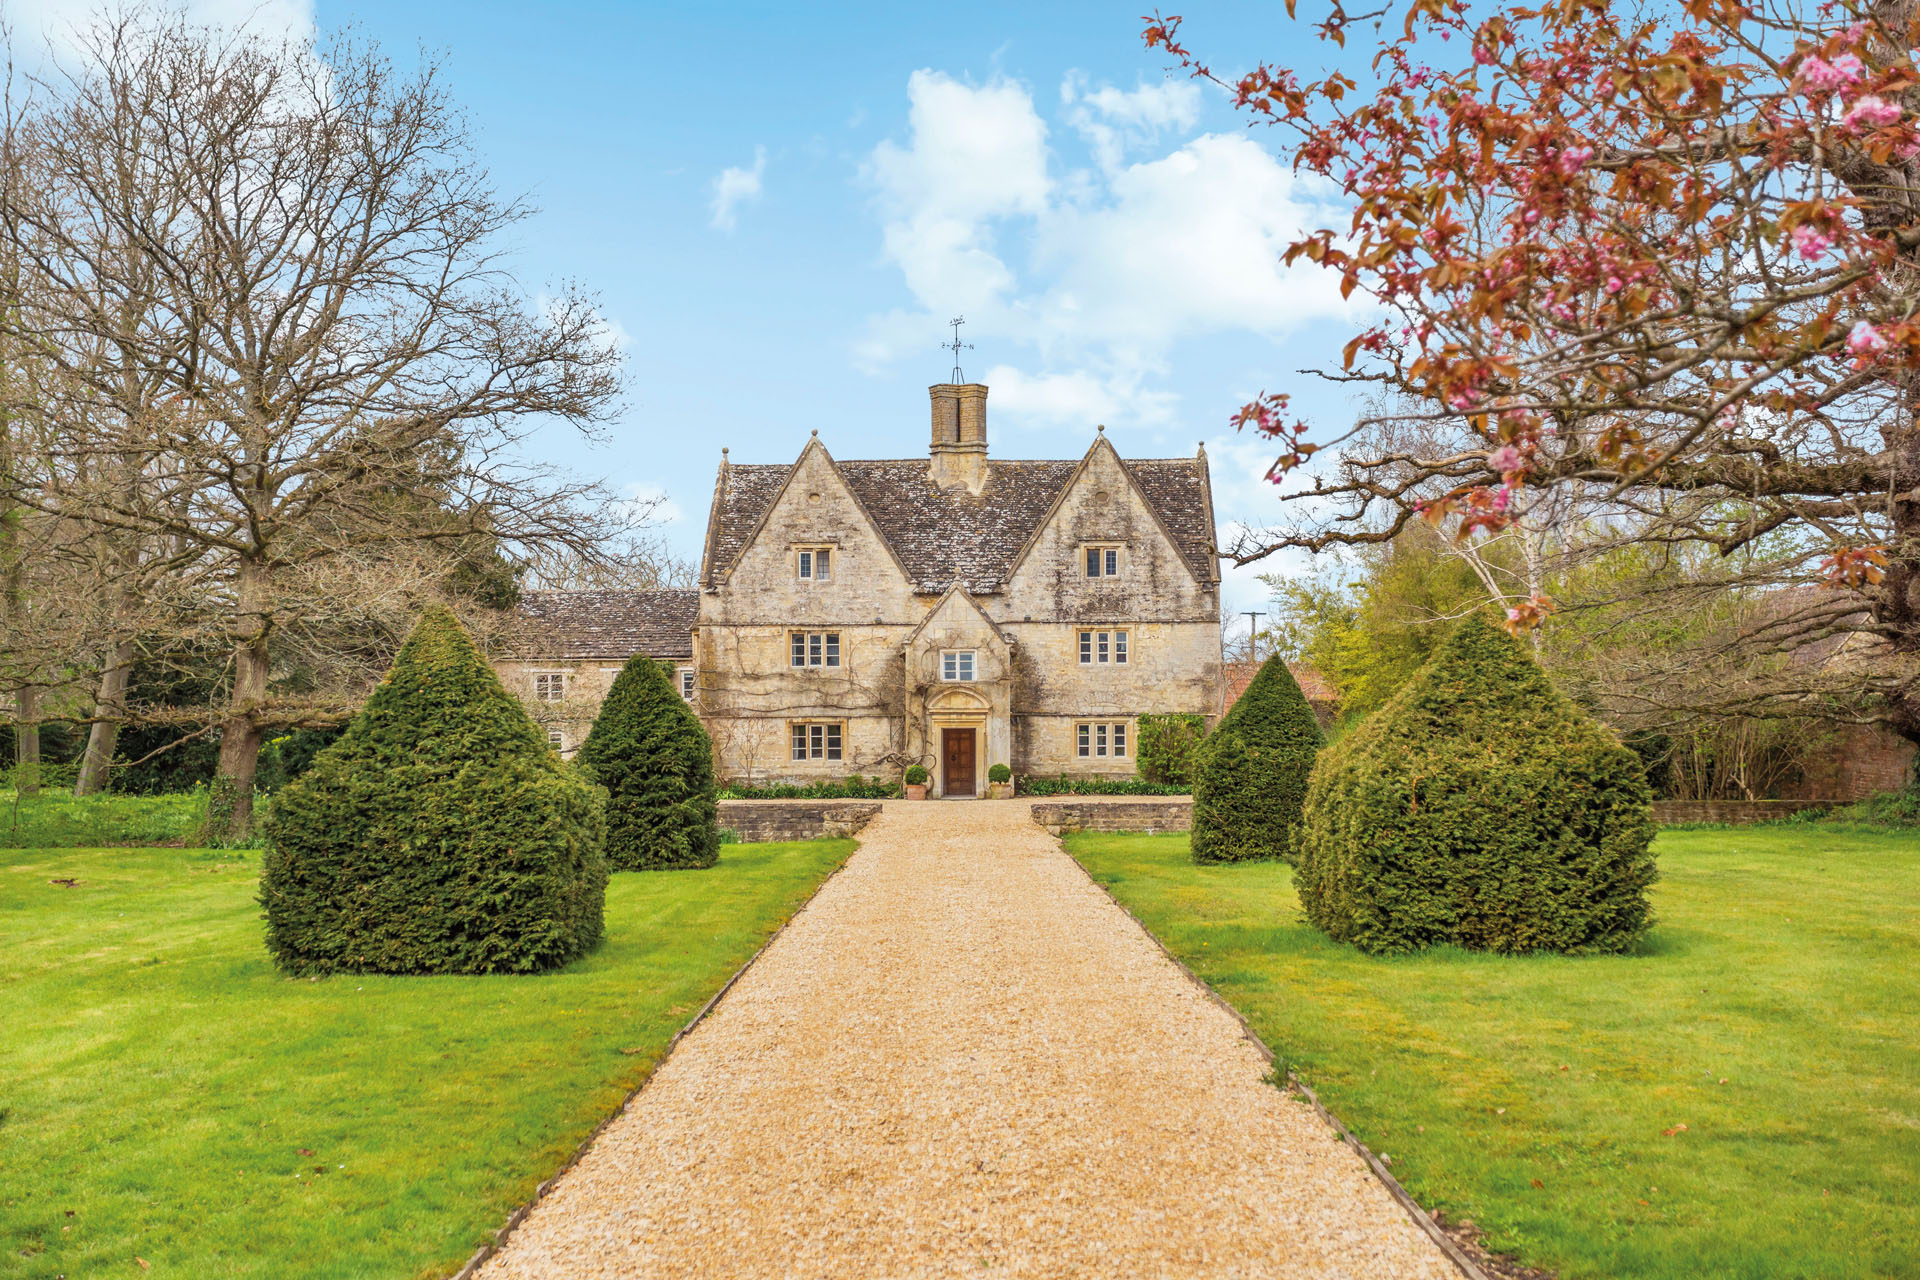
[(603, 624), (942, 536)]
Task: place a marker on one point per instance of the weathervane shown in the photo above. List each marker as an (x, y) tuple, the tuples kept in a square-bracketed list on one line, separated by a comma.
[(957, 346)]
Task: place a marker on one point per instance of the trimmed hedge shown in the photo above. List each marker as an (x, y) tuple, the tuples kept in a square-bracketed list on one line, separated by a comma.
[(1251, 778), (1169, 747), (649, 751), (854, 788), (439, 834), (1479, 807), (1033, 785)]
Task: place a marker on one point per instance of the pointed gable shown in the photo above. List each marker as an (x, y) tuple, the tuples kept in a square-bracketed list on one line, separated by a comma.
[(943, 535)]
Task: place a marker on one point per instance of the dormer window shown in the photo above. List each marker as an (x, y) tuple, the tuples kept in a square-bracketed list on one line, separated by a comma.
[(956, 666), (1104, 560), (815, 564)]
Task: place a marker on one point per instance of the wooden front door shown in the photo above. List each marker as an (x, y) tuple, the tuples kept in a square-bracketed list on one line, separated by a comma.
[(956, 759)]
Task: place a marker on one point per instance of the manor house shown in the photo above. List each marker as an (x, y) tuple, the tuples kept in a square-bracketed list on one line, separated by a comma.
[(954, 611)]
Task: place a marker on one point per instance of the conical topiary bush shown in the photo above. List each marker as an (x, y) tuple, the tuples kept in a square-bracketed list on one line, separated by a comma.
[(1253, 768), (1478, 807), (440, 834), (648, 750)]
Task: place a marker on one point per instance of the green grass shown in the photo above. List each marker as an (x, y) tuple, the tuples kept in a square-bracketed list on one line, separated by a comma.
[(164, 1086), (1772, 1011), (56, 820)]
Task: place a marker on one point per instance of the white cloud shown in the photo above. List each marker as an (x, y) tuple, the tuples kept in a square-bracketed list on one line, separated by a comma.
[(650, 501), (1097, 271), (1078, 400), (974, 155), (1115, 121), (59, 23), (736, 186)]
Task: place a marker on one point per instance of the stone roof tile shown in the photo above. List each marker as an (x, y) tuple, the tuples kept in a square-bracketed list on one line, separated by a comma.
[(604, 624), (943, 534)]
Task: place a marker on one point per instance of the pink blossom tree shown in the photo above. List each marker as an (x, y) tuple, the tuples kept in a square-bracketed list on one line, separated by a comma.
[(1663, 258)]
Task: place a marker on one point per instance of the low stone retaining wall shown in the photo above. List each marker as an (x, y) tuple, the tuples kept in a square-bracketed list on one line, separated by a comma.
[(762, 821), (1735, 812), (1152, 815)]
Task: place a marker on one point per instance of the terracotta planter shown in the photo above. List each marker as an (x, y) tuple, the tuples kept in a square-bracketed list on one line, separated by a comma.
[(916, 790), (999, 790)]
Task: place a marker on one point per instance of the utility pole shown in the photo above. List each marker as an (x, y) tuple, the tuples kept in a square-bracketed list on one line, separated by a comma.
[(1253, 634)]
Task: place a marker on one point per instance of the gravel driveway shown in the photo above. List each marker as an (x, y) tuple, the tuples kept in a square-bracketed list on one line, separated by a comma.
[(963, 1059)]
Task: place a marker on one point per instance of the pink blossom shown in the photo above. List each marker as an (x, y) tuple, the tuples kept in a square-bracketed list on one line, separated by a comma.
[(1615, 284), (1463, 400), (1870, 112), (1810, 241), (1513, 615), (1483, 55), (1574, 159), (1502, 499), (1821, 76), (1865, 340), (1530, 217), (1504, 459)]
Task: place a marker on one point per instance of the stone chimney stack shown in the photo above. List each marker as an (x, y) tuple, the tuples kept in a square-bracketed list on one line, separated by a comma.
[(959, 448)]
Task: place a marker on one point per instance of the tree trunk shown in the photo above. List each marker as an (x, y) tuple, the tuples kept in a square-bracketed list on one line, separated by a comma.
[(230, 807), (109, 711), (26, 742)]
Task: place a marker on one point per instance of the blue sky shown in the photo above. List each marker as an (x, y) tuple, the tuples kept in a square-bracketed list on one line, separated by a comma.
[(781, 205)]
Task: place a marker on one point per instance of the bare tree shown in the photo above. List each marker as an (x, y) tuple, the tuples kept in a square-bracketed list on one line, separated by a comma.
[(339, 362)]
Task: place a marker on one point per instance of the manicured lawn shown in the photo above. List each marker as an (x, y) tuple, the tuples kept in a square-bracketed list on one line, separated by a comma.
[(166, 1095), (1774, 1012)]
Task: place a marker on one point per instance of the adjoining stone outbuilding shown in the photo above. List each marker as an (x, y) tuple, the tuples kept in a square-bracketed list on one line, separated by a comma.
[(954, 611), (564, 648)]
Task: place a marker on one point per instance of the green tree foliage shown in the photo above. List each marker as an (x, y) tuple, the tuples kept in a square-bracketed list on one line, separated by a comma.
[(440, 834), (1252, 774), (1168, 746), (1369, 635), (650, 752), (1478, 807)]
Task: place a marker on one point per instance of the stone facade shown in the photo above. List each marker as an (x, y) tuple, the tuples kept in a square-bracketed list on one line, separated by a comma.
[(950, 626), (865, 616), (565, 648)]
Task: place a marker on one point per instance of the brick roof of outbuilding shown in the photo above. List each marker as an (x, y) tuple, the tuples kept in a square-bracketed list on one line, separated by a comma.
[(604, 624), (946, 534)]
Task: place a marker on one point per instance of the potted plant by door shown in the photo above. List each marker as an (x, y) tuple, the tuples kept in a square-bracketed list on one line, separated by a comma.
[(999, 782), (916, 781)]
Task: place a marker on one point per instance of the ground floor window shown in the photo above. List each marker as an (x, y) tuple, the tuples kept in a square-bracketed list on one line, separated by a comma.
[(1102, 738), (816, 741), (686, 683), (557, 739)]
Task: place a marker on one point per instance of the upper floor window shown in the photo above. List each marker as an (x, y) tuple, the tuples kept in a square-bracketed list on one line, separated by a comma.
[(816, 648), (549, 686), (1103, 646), (815, 564), (686, 683), (1104, 561), (816, 741), (1102, 739), (956, 665)]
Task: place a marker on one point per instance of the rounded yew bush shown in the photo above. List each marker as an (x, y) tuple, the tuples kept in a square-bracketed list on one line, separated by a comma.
[(649, 751), (439, 834), (1253, 769), (1478, 807)]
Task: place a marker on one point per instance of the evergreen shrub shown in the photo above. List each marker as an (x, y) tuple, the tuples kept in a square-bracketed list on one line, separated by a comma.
[(916, 775), (1251, 777), (1479, 807), (649, 751), (1168, 745), (439, 834), (999, 773), (1035, 785)]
